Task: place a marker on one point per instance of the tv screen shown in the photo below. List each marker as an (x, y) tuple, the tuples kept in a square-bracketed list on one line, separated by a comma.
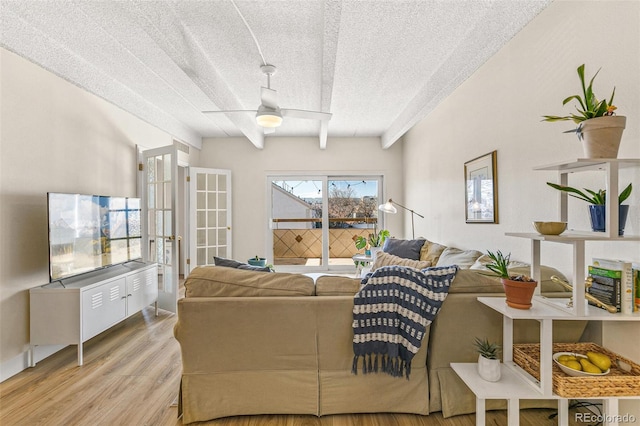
[(89, 232)]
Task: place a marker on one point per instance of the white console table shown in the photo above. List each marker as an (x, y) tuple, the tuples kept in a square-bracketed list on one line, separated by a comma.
[(73, 310)]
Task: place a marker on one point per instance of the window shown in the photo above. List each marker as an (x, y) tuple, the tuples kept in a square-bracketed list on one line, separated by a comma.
[(315, 219)]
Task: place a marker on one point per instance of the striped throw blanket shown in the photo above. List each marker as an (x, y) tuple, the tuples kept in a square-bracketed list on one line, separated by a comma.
[(391, 311)]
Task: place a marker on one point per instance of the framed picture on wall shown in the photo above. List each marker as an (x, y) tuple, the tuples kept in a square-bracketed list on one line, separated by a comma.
[(481, 189)]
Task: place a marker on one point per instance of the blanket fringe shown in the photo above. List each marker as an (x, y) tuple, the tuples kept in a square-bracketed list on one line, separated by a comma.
[(372, 363)]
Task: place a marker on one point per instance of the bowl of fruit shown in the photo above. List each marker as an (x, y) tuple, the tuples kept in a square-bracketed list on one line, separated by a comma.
[(579, 365)]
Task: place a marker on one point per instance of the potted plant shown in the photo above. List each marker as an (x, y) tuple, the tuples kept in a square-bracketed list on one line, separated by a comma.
[(257, 261), (597, 207), (488, 361), (517, 288), (598, 128), (372, 242)]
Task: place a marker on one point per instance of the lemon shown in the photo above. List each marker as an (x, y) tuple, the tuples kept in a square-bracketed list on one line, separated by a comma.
[(588, 367), (601, 361), (573, 364), (563, 358)]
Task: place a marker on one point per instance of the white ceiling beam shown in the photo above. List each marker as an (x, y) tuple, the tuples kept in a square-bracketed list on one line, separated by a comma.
[(332, 13), (182, 48)]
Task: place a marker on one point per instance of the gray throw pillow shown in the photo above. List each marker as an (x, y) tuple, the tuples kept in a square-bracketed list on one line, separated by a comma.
[(230, 263), (409, 249)]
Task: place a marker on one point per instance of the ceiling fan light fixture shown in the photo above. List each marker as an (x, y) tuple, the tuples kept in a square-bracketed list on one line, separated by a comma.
[(268, 117)]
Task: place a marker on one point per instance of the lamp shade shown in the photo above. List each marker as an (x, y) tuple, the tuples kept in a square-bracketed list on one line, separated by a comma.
[(388, 207), (268, 117)]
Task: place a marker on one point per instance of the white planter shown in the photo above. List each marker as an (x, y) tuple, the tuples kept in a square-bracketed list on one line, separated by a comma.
[(601, 136), (374, 253), (489, 369)]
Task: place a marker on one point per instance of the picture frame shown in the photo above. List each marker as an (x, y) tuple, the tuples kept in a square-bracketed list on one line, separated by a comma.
[(481, 189)]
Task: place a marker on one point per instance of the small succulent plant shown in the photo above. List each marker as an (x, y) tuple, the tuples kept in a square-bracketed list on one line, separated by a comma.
[(487, 349)]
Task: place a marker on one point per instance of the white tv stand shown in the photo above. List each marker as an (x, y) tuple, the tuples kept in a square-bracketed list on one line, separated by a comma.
[(72, 311)]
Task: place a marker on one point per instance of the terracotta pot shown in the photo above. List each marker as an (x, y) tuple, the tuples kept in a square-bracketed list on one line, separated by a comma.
[(519, 293), (601, 136)]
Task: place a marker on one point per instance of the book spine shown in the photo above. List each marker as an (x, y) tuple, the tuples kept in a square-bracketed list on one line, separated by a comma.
[(626, 280), (626, 286), (606, 289), (636, 286)]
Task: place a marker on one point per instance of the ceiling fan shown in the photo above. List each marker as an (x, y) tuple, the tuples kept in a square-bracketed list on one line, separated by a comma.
[(269, 115)]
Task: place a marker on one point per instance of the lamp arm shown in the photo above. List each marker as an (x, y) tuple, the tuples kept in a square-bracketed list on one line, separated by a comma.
[(407, 209)]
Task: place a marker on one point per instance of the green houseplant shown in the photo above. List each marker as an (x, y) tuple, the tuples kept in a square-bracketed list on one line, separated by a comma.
[(374, 239), (597, 201), (488, 361), (373, 242), (598, 127), (518, 289)]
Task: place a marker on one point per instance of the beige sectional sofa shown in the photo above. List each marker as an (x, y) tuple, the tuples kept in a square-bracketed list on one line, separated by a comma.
[(279, 343)]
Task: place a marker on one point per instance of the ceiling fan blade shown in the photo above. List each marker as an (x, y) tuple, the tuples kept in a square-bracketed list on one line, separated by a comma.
[(310, 115), (230, 110), (269, 97), (269, 130)]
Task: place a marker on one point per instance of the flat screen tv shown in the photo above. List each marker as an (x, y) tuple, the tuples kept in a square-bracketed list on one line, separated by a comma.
[(90, 232)]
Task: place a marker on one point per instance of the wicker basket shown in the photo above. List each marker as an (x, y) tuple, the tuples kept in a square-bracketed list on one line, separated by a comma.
[(617, 383)]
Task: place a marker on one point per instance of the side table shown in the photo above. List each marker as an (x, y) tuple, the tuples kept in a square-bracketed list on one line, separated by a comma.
[(361, 259)]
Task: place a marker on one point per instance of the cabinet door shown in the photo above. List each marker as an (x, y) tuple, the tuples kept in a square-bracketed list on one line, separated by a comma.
[(102, 307), (142, 290)]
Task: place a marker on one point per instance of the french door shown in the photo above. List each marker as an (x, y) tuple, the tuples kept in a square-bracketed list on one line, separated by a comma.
[(209, 216), (159, 194)]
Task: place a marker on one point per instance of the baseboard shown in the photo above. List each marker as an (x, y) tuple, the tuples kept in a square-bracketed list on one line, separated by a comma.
[(21, 362)]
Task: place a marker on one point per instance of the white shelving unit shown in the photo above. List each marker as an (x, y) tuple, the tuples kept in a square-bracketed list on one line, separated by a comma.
[(516, 383)]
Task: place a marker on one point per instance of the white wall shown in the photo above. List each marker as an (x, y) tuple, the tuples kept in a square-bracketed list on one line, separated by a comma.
[(250, 168), (54, 137), (499, 108)]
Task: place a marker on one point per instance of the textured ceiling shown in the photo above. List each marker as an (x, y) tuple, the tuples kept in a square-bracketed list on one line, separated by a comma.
[(378, 66)]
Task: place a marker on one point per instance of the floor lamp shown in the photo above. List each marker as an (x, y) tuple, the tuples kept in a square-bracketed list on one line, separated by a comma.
[(389, 207)]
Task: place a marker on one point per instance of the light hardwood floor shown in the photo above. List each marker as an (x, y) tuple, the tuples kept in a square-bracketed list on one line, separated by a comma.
[(131, 375)]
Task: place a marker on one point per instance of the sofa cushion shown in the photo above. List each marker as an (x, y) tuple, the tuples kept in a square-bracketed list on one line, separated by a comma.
[(409, 249), (230, 263), (454, 256), (431, 251), (386, 259), (220, 281), (334, 285)]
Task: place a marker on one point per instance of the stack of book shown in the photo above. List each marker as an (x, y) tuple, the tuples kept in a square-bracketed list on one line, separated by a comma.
[(616, 283)]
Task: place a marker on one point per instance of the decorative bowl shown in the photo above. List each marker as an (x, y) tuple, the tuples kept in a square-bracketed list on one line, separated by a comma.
[(550, 228), (571, 371)]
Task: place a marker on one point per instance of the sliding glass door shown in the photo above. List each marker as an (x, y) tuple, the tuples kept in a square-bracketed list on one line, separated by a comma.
[(315, 219)]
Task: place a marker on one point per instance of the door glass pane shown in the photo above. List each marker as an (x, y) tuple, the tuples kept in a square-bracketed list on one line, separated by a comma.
[(202, 256), (201, 181), (211, 200), (201, 198), (353, 212), (296, 215), (211, 182)]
